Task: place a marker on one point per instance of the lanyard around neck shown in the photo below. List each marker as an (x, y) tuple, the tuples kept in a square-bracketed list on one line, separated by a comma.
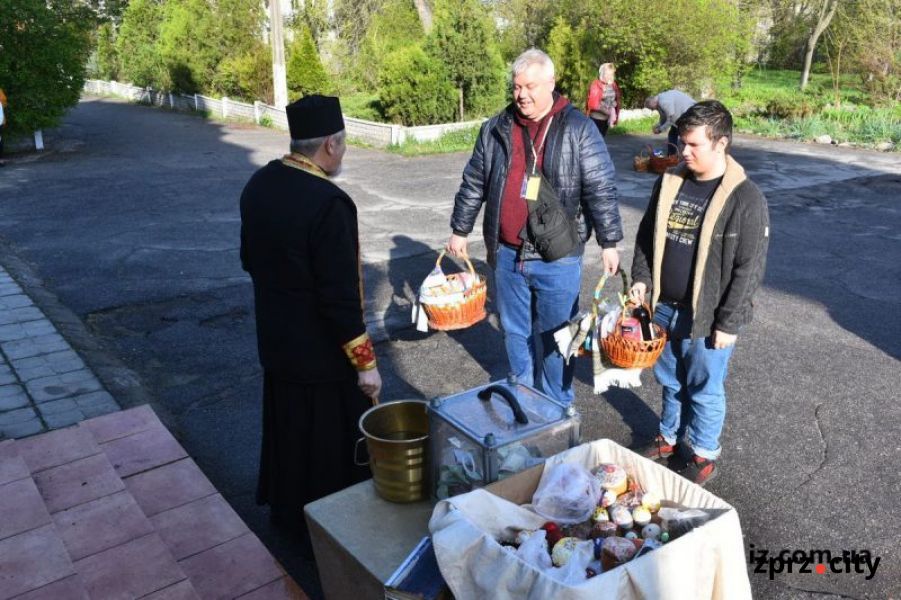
[(527, 140)]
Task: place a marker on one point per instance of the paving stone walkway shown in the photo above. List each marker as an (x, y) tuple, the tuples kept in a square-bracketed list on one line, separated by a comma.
[(115, 508), (44, 385)]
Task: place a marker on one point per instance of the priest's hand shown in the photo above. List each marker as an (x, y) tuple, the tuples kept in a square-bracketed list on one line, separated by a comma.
[(370, 383)]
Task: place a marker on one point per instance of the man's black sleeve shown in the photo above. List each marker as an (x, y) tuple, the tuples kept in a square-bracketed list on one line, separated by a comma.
[(471, 195)]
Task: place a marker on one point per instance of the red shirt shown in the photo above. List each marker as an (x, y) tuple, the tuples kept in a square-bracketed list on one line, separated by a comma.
[(514, 210)]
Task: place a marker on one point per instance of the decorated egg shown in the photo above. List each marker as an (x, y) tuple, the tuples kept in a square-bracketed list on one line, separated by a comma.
[(600, 514), (631, 535), (563, 551), (641, 516), (651, 501), (664, 537), (651, 531)]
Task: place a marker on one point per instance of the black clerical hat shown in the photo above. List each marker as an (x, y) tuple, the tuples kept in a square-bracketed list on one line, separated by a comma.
[(314, 116)]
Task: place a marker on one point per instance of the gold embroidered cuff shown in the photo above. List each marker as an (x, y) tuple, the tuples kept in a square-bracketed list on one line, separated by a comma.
[(360, 353)]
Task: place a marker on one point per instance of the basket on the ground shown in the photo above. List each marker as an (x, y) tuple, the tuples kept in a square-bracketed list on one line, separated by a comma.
[(627, 353), (659, 164), (640, 162), (458, 303)]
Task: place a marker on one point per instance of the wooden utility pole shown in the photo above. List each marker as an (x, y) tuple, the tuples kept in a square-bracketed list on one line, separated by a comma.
[(279, 78)]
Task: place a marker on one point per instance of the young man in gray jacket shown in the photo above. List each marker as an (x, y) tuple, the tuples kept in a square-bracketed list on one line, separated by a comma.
[(701, 252)]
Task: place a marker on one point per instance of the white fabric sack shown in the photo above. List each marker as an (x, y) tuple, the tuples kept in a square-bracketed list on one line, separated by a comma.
[(708, 562)]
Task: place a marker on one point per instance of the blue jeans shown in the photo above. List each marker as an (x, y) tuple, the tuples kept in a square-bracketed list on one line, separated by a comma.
[(693, 375), (534, 299)]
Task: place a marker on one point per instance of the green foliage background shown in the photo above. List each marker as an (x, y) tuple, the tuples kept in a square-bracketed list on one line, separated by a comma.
[(44, 47), (379, 57), (393, 27), (415, 88), (193, 46), (137, 43), (464, 39), (652, 44), (305, 72)]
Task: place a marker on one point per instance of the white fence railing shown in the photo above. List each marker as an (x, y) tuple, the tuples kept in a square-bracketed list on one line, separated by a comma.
[(377, 134)]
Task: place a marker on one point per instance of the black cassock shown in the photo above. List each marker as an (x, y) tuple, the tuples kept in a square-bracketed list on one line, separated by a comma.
[(299, 242)]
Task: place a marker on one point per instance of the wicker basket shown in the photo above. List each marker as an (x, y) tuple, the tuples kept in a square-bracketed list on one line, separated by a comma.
[(457, 310), (659, 164), (640, 162), (626, 353)]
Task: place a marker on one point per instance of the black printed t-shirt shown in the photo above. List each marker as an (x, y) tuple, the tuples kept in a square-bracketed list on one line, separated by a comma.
[(682, 228)]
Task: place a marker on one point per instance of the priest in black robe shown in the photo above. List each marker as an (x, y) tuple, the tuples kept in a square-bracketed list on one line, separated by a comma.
[(300, 244)]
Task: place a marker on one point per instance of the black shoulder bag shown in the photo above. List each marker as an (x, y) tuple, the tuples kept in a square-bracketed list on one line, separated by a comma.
[(552, 231)]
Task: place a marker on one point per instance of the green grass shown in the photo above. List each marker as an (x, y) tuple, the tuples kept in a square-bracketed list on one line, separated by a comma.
[(454, 141), (362, 106), (770, 104), (640, 126)]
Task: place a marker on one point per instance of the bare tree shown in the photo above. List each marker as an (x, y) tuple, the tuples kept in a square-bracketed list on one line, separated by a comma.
[(824, 17)]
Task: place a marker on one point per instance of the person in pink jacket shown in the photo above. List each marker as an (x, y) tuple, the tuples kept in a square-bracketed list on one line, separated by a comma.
[(604, 99)]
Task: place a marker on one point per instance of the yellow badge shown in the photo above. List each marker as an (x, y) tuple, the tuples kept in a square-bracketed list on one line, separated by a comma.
[(532, 186)]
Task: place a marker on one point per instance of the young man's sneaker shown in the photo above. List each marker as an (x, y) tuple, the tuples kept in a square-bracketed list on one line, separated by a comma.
[(657, 449), (699, 470)]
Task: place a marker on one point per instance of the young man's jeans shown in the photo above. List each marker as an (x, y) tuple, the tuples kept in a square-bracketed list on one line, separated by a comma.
[(693, 376), (534, 299)]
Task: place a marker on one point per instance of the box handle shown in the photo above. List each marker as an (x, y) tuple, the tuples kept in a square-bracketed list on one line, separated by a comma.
[(507, 395)]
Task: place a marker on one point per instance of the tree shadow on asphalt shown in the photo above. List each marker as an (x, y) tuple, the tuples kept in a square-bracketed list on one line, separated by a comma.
[(832, 242), (411, 261), (163, 222)]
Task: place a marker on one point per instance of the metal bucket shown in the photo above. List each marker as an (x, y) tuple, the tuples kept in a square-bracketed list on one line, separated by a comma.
[(396, 435)]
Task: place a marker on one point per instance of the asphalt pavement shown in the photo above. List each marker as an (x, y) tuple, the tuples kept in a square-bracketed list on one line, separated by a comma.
[(125, 234)]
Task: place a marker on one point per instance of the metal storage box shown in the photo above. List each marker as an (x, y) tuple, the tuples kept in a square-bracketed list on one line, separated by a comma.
[(491, 432)]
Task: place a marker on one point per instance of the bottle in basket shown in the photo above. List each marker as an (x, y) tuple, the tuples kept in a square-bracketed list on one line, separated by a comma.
[(644, 320)]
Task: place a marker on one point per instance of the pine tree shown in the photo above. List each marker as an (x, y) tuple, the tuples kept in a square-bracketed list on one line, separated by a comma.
[(464, 39), (305, 72)]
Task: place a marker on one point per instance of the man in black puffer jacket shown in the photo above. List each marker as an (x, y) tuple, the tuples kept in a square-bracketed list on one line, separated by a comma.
[(541, 132)]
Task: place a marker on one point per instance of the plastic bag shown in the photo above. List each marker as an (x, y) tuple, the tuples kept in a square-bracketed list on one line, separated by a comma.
[(534, 550), (608, 323), (567, 494), (678, 522)]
